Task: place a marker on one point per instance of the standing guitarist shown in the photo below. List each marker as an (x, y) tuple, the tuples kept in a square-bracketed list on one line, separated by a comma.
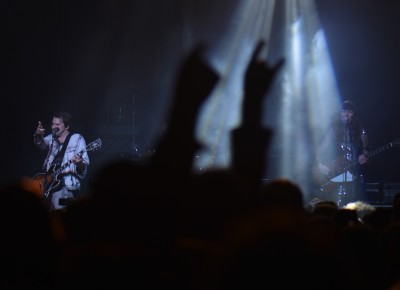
[(345, 144), (64, 149)]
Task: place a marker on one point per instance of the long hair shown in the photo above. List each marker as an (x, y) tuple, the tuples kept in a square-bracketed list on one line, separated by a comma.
[(355, 126)]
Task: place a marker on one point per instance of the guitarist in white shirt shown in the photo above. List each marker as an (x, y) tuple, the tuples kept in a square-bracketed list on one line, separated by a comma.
[(59, 188), (341, 159)]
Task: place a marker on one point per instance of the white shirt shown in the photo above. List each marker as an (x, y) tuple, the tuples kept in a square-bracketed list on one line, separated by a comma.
[(76, 145)]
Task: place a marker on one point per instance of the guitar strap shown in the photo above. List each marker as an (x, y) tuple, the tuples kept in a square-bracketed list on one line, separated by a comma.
[(60, 156)]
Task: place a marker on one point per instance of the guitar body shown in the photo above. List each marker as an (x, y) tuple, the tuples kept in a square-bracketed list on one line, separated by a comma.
[(328, 184), (48, 182), (341, 170), (336, 177)]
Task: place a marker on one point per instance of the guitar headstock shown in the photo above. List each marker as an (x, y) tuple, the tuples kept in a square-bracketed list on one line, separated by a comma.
[(396, 142), (96, 144)]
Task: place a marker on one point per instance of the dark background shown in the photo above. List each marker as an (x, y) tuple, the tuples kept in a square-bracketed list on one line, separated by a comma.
[(112, 65)]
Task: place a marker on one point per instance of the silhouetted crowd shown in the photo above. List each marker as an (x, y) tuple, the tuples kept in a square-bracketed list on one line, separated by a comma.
[(159, 225)]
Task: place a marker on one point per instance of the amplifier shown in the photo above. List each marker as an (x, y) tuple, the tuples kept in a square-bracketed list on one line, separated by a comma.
[(381, 193)]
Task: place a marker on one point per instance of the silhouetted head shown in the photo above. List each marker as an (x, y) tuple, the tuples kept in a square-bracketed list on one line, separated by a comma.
[(282, 191)]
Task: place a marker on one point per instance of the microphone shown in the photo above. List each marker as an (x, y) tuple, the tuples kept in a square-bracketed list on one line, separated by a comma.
[(54, 131)]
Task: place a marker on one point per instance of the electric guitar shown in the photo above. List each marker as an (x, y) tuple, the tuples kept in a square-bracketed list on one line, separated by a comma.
[(340, 166), (50, 181)]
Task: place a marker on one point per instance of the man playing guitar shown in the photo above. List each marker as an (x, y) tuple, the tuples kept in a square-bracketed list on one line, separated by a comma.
[(66, 151)]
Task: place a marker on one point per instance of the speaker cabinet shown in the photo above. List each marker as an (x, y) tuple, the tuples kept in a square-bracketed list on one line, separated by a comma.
[(381, 193)]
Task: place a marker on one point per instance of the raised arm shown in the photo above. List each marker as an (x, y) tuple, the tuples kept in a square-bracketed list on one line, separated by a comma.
[(38, 137), (250, 140), (195, 81)]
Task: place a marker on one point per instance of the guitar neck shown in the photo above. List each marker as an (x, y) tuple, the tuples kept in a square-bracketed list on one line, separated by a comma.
[(369, 154), (65, 165), (380, 149), (91, 146)]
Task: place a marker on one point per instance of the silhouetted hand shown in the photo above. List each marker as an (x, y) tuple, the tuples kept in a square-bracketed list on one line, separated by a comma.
[(257, 81), (195, 81), (259, 75)]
